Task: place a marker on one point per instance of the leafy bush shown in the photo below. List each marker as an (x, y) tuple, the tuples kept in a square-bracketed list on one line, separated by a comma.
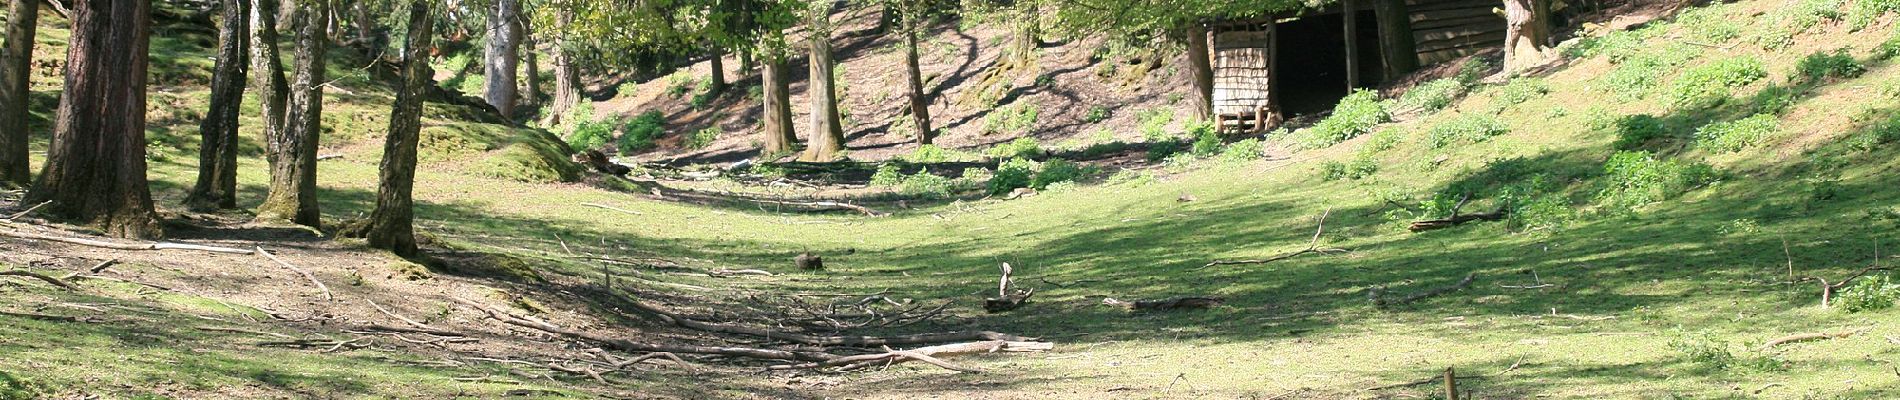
[(1056, 171), (1023, 147), (887, 175), (1822, 65), (1775, 99), (1521, 90), (1712, 83), (1154, 123), (1432, 96), (1358, 168), (1207, 142), (1618, 46), (928, 153), (1357, 114), (591, 135), (1244, 150), (702, 138), (1012, 174), (1738, 135), (677, 85), (1475, 69), (1096, 114), (1873, 293), (1709, 24), (1633, 131), (1467, 128), (1876, 135), (638, 134), (1703, 349), (927, 185), (1012, 119), (1888, 49), (1636, 178)]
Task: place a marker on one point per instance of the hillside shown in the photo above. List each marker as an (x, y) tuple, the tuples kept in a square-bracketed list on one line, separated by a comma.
[(1669, 200)]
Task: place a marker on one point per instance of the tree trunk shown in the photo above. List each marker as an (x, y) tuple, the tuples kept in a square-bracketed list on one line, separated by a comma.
[(745, 62), (532, 66), (267, 72), (567, 74), (217, 153), (15, 93), (775, 76), (1269, 114), (1201, 70), (366, 32), (718, 63), (1352, 43), (502, 57), (293, 183), (919, 99), (1397, 46), (1527, 35), (95, 167), (827, 132), (392, 223), (1024, 39)]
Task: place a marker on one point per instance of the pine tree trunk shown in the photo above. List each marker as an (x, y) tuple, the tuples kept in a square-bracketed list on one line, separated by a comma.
[(1397, 45), (15, 92), (217, 151), (919, 99), (95, 168), (392, 223), (1201, 70), (827, 132), (503, 57), (718, 61), (1352, 44), (293, 183), (267, 72), (775, 77), (567, 74), (1527, 35)]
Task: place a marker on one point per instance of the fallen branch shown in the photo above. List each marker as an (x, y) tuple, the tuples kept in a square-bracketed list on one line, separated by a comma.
[(854, 341), (1379, 301), (1455, 219), (51, 280), (29, 210), (721, 273), (1828, 289), (1311, 247), (925, 354), (101, 267), (1809, 337), (1006, 300), (329, 345), (418, 326), (1199, 303), (822, 206), (301, 271), (125, 246), (44, 317)]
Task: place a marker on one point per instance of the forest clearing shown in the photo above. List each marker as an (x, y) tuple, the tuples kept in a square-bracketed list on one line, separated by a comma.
[(985, 199)]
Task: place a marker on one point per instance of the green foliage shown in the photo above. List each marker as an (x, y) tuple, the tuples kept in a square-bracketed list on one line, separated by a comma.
[(1016, 118), (1634, 131), (1888, 49), (1096, 115), (1023, 147), (1432, 96), (1822, 65), (1058, 171), (1244, 150), (533, 156), (702, 138), (1776, 99), (1636, 178), (1357, 114), (927, 185), (1873, 293), (1876, 135), (768, 170), (1158, 151), (1864, 12), (1207, 142), (1475, 69), (677, 85), (1466, 128), (1360, 167), (931, 153), (887, 175), (1536, 204), (1738, 135), (1712, 83), (639, 134), (1154, 123), (1617, 46), (1521, 90), (1709, 24), (1012, 174), (1641, 71), (1705, 350), (12, 388), (591, 135)]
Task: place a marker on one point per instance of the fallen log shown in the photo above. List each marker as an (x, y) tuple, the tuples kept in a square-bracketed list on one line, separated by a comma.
[(1435, 224), (1183, 303), (125, 246), (1809, 337), (51, 280)]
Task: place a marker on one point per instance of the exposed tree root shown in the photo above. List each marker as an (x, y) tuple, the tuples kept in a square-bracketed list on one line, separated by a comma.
[(51, 280)]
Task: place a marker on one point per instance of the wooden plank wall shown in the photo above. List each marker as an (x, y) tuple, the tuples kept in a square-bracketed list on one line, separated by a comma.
[(1448, 29)]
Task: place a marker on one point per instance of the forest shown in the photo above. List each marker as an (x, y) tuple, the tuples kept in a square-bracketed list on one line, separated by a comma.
[(969, 199)]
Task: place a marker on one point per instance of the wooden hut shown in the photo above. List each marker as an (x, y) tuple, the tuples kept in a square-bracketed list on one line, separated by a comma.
[(1305, 61)]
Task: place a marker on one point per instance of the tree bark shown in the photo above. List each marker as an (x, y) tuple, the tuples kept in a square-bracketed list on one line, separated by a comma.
[(267, 71), (503, 57), (1201, 70), (1352, 43), (827, 132), (919, 99), (217, 153), (95, 167), (1527, 35), (15, 92), (718, 63), (392, 223), (1024, 40), (531, 58), (1398, 48), (567, 74), (293, 184), (778, 132), (745, 62)]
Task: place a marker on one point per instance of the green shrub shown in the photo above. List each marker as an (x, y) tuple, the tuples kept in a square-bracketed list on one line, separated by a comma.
[(1823, 65), (1876, 135), (1888, 49), (1872, 293), (1096, 114), (1466, 128), (1708, 24), (677, 85), (639, 134), (887, 175), (1158, 151), (1864, 12), (1775, 99), (1521, 90), (928, 153), (1207, 142), (1023, 147), (1384, 139), (1012, 174), (1635, 178), (927, 185), (1636, 76), (1432, 96), (1713, 83), (1154, 123), (702, 138), (1056, 171), (591, 135), (1017, 118), (1618, 46), (1704, 350), (1359, 167), (1243, 151), (1633, 131), (1357, 114), (1475, 69), (1738, 135)]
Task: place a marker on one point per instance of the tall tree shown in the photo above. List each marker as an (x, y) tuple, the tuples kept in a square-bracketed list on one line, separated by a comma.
[(1351, 16), (392, 223), (718, 63), (1397, 46), (267, 71), (910, 15), (775, 75), (293, 183), (1200, 60), (567, 73), (532, 64), (827, 131), (1527, 35), (217, 152), (15, 70), (1026, 37), (95, 168), (502, 56)]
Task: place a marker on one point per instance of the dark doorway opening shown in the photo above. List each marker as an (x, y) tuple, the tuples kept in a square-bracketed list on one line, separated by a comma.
[(1311, 69)]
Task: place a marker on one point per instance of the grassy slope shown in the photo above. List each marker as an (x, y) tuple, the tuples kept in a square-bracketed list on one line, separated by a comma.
[(1706, 265)]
